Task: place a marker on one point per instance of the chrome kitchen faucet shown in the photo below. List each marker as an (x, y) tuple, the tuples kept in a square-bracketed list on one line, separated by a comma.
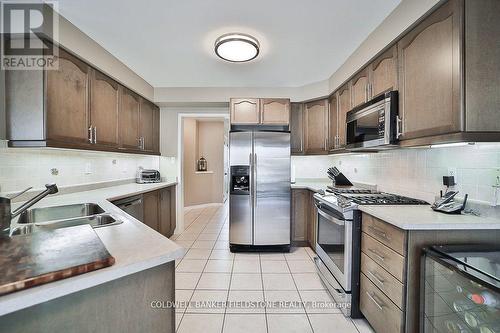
[(6, 215)]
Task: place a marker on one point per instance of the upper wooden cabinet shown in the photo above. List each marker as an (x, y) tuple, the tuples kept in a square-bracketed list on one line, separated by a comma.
[(333, 122), (482, 70), (384, 73), (274, 111), (359, 88), (245, 111), (67, 93), (129, 120), (147, 119), (316, 127), (77, 106), (104, 107), (344, 106), (297, 128), (255, 111), (156, 129), (430, 64)]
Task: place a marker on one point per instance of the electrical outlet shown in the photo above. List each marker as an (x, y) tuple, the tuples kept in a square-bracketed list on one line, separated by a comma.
[(453, 172), (496, 181), (88, 168)]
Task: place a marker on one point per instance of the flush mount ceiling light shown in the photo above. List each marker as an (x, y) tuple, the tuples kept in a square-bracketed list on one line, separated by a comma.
[(237, 47)]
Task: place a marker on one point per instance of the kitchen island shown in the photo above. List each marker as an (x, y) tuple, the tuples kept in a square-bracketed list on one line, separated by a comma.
[(392, 243), (116, 298)]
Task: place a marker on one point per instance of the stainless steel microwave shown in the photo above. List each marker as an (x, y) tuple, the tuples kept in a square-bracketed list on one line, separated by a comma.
[(374, 125)]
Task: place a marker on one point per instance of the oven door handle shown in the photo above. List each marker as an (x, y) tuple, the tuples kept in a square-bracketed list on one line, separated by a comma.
[(330, 218)]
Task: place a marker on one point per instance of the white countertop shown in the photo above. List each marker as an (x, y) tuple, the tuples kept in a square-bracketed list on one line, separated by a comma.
[(311, 184), (135, 247), (424, 218)]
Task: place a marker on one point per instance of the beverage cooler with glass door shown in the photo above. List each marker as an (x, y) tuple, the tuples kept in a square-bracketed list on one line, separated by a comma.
[(460, 289)]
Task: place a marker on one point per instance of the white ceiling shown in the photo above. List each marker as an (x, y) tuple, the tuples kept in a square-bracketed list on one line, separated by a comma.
[(170, 42)]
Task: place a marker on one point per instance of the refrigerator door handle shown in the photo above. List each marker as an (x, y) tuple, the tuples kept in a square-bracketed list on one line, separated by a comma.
[(254, 203), (252, 178), (255, 179)]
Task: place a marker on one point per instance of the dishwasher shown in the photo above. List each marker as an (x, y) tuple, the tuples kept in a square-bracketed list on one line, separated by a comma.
[(132, 206)]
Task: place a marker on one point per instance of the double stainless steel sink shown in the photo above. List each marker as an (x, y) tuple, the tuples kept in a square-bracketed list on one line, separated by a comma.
[(38, 219)]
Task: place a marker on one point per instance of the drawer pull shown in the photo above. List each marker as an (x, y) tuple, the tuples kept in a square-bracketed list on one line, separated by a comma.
[(379, 232), (372, 297), (376, 278), (376, 254)]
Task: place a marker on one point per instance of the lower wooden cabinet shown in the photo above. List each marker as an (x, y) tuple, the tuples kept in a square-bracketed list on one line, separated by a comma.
[(159, 210), (390, 270), (303, 218), (300, 215), (167, 211), (151, 212), (388, 284), (313, 222), (378, 309)]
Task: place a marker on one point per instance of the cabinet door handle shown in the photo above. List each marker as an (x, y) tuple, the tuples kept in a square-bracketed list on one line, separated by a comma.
[(376, 254), (95, 134), (399, 127), (376, 278), (139, 145), (379, 232), (90, 134), (374, 300)]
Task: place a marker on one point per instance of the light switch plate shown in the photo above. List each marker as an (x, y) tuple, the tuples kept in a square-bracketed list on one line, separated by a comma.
[(453, 172)]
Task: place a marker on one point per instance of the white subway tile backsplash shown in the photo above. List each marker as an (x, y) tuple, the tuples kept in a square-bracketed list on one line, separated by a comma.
[(24, 167), (414, 172)]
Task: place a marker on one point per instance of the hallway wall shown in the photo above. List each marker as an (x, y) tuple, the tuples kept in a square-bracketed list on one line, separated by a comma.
[(203, 138)]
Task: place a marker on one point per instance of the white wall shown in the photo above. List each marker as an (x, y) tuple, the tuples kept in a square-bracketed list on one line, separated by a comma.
[(85, 47), (24, 167), (203, 138), (414, 172), (223, 94)]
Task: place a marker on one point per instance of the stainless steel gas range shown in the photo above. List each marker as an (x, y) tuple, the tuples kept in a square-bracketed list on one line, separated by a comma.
[(338, 239)]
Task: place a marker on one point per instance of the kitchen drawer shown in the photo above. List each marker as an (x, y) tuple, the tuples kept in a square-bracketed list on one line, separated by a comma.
[(386, 233), (390, 260), (381, 313), (387, 283)]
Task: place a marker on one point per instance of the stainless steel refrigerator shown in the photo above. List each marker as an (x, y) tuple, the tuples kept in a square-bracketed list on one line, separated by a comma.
[(259, 200)]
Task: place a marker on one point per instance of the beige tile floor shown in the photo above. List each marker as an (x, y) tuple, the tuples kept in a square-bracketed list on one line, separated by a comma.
[(280, 287)]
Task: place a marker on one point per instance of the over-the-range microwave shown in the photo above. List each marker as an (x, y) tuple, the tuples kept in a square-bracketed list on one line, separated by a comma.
[(374, 125)]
